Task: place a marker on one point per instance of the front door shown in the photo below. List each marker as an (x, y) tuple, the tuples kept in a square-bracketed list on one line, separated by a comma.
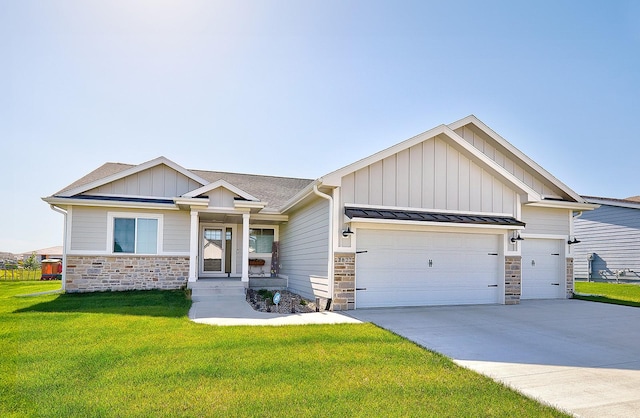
[(213, 251)]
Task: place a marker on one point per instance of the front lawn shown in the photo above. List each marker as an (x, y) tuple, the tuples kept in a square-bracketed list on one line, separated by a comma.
[(617, 293), (136, 354)]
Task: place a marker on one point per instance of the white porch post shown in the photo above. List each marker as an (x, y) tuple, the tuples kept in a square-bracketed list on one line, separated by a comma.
[(245, 248), (193, 247)]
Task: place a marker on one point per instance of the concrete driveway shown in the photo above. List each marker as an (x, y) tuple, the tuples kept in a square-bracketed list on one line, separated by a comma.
[(581, 357)]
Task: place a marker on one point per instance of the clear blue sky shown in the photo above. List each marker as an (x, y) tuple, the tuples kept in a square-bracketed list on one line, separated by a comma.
[(301, 88)]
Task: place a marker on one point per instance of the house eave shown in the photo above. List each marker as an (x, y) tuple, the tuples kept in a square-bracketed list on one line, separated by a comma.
[(65, 202), (131, 171), (471, 119), (562, 204)]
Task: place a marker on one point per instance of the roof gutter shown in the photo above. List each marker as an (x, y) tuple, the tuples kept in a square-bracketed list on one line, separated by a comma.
[(330, 246), (64, 246)]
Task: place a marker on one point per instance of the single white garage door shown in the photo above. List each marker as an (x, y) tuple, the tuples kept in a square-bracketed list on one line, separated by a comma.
[(542, 269), (407, 268)]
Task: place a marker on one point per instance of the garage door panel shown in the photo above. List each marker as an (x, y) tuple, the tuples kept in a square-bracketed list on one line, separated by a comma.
[(407, 268)]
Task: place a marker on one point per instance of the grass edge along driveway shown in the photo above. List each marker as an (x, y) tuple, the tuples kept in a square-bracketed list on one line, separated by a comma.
[(137, 354)]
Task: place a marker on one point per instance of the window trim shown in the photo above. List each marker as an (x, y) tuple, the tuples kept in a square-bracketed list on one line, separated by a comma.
[(135, 215), (264, 226)]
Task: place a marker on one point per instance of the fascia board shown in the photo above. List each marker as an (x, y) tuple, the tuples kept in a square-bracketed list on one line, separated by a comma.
[(131, 171), (249, 204), (217, 184), (492, 166), (65, 202), (191, 201), (558, 204), (335, 178), (471, 119)]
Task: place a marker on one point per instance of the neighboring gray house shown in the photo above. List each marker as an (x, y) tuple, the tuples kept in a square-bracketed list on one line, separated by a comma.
[(609, 246), (437, 219)]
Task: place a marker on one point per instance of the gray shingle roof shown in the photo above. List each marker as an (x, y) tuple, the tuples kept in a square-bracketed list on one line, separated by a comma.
[(276, 191), (273, 190)]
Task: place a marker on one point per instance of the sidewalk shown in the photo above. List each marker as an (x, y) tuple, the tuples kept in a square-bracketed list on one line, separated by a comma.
[(236, 311)]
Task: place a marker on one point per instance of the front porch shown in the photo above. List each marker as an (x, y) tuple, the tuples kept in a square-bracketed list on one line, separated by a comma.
[(235, 245)]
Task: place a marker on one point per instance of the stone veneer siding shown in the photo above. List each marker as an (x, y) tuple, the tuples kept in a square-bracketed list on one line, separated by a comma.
[(512, 279), (116, 273), (344, 281), (569, 278)]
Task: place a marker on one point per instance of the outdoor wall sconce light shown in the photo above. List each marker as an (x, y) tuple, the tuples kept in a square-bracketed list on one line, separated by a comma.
[(573, 241), (517, 237), (347, 232)]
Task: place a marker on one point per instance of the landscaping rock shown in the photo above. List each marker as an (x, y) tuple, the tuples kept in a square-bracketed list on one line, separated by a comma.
[(289, 303)]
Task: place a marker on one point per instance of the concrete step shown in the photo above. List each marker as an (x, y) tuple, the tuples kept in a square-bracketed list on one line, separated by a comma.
[(216, 288)]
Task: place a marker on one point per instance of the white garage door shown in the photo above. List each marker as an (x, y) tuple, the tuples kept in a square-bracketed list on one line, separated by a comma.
[(406, 268), (542, 269)]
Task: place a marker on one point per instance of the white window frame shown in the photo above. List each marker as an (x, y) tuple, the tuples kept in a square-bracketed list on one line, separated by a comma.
[(134, 215), (275, 236)]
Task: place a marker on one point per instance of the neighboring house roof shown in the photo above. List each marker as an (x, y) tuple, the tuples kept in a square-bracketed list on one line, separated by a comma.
[(50, 251), (630, 202)]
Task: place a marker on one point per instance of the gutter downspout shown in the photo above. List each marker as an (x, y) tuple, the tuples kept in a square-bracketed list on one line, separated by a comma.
[(64, 246), (330, 249)]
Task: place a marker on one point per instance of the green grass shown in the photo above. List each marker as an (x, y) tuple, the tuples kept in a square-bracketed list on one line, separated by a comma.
[(616, 293), (136, 354)]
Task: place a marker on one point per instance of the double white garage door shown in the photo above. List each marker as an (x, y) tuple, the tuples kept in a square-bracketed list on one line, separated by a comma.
[(409, 268)]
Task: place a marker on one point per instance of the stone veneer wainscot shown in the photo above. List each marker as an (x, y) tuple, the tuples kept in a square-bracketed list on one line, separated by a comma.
[(512, 279), (569, 278), (117, 273), (344, 281)]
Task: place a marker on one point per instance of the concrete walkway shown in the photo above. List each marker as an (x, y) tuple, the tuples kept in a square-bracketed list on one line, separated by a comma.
[(225, 310), (581, 357)]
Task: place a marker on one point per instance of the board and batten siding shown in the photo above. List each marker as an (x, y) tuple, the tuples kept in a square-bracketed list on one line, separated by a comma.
[(89, 229), (546, 221), (430, 175), (304, 242), (611, 233), (158, 181), (488, 147)]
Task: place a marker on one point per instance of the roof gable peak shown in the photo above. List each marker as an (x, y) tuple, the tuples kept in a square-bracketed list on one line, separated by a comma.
[(133, 170)]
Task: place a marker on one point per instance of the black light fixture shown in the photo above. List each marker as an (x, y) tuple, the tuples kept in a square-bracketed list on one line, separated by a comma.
[(517, 238), (573, 241), (347, 232)]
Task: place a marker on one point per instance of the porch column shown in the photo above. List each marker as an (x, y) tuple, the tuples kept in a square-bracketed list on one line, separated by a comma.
[(245, 248), (193, 247)]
